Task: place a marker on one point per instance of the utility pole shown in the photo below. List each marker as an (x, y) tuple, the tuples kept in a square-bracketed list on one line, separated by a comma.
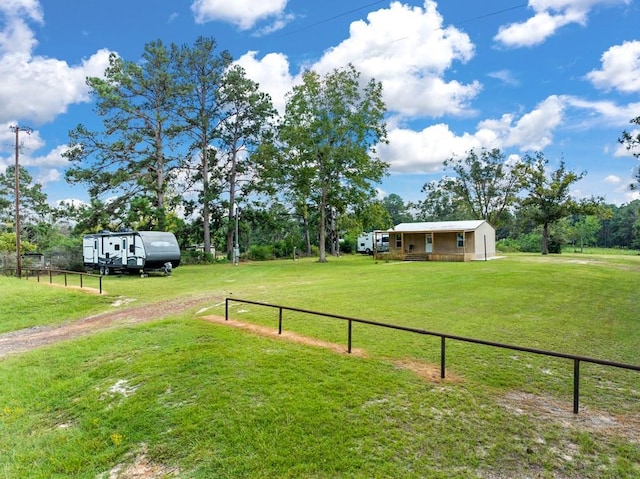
[(17, 129)]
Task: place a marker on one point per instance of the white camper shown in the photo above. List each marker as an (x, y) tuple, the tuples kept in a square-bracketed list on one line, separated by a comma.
[(139, 251), (374, 241)]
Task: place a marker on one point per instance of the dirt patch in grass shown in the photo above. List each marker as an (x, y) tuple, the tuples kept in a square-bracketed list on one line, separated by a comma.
[(286, 335), (140, 468), (429, 372), (31, 338), (549, 409)]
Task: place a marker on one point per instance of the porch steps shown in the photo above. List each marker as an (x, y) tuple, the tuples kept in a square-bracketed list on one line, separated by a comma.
[(416, 257)]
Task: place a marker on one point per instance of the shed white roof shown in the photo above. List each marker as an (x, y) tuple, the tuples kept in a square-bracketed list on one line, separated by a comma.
[(438, 226)]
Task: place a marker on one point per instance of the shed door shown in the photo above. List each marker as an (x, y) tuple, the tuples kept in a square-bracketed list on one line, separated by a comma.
[(428, 244)]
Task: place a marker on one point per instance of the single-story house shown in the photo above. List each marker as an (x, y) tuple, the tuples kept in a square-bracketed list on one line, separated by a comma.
[(442, 241)]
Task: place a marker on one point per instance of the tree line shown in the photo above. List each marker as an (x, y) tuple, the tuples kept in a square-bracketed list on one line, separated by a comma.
[(186, 142)]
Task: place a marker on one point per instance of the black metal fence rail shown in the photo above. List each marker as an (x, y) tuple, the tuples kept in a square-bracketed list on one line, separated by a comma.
[(39, 272), (443, 337)]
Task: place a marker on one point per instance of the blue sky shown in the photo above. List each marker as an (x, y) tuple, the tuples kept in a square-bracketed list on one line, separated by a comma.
[(558, 76)]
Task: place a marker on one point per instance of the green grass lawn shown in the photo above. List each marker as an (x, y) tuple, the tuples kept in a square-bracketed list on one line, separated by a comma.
[(204, 400)]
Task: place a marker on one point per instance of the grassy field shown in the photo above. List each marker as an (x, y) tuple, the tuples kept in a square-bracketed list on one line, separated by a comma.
[(181, 397)]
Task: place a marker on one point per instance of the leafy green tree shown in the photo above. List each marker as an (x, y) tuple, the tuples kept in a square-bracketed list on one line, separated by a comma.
[(200, 71), (374, 215), (327, 142), (631, 140), (397, 209), (34, 207), (36, 226), (134, 154), (440, 204), (483, 186), (623, 229), (549, 198), (246, 116), (8, 245)]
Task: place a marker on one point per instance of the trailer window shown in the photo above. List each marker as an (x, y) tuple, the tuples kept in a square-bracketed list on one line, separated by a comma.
[(398, 241), (116, 247), (132, 248), (460, 240)]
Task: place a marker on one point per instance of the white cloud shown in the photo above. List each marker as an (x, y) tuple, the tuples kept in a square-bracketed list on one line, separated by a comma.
[(37, 89), (505, 76), (613, 179), (424, 151), (271, 73), (409, 51), (620, 68), (549, 16), (242, 13), (48, 175), (52, 159), (16, 36), (534, 130)]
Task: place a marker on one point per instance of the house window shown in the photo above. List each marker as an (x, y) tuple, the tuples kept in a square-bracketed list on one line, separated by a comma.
[(399, 241), (460, 240)]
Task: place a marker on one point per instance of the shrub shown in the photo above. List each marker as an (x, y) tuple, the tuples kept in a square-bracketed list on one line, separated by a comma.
[(260, 253), (508, 245), (196, 257)]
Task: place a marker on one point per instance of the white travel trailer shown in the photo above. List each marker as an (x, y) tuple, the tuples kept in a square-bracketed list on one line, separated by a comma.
[(139, 251), (374, 241)]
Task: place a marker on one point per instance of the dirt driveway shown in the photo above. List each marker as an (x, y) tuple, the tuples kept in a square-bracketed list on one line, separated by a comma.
[(27, 339)]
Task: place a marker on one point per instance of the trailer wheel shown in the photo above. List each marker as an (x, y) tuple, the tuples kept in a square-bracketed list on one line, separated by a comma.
[(101, 270), (368, 251)]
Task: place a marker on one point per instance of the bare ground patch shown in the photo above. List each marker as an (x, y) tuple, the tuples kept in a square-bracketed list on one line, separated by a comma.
[(552, 410), (286, 335), (140, 467), (427, 371), (31, 338)]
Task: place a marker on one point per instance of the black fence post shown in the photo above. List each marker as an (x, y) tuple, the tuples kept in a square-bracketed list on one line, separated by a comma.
[(350, 336), (226, 309), (442, 356), (279, 320), (81, 280), (576, 385), (100, 281)]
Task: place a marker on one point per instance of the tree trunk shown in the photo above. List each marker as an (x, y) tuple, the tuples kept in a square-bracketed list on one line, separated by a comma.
[(307, 234), (323, 228), (206, 213), (545, 238), (232, 200)]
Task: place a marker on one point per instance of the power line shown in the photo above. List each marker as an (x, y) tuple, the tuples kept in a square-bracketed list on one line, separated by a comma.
[(339, 15), (498, 12), (326, 20)]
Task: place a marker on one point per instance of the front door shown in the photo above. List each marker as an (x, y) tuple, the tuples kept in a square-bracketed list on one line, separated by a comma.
[(124, 252), (429, 243)]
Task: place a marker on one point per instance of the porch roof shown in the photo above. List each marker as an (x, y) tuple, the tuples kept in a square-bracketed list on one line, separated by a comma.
[(437, 226)]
